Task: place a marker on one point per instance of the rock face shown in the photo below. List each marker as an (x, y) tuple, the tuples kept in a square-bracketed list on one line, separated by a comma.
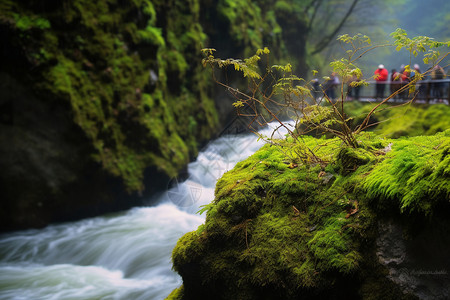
[(418, 264), (280, 229), (43, 156)]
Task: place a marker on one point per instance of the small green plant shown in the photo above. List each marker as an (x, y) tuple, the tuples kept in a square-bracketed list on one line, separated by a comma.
[(275, 94), (25, 23)]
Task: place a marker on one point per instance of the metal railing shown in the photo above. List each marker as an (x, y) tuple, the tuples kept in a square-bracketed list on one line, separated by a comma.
[(426, 91)]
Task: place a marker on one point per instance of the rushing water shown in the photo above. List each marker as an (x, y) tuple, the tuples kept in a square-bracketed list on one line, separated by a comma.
[(120, 256)]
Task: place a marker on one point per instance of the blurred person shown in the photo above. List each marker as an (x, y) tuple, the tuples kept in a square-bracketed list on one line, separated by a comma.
[(437, 74), (396, 82), (406, 78), (381, 76), (353, 91), (330, 86), (316, 90), (420, 88), (417, 69)]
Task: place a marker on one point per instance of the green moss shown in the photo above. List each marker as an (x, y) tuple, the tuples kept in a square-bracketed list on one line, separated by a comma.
[(335, 250), (252, 25), (416, 120), (184, 252), (349, 159), (415, 175), (25, 23), (262, 219), (152, 35), (394, 122), (176, 294)]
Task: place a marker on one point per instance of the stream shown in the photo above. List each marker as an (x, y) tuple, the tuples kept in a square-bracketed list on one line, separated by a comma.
[(125, 255)]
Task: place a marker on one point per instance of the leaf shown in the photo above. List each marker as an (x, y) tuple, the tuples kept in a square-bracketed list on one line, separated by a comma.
[(263, 51), (292, 166), (351, 211), (238, 104), (207, 51), (288, 68), (204, 208)]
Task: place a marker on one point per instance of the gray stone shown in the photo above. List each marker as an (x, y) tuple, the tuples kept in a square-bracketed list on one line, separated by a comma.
[(418, 264)]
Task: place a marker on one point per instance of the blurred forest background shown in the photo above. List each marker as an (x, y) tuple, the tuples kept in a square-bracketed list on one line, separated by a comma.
[(378, 19)]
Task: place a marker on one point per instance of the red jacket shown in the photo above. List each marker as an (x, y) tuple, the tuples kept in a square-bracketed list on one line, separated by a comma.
[(382, 74)]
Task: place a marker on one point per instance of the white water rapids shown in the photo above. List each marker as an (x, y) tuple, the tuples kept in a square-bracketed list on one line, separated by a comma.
[(120, 256)]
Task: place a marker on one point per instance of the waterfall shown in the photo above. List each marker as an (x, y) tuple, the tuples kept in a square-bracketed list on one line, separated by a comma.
[(118, 256)]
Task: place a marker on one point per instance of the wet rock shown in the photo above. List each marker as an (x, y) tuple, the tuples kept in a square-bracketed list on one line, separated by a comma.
[(418, 264)]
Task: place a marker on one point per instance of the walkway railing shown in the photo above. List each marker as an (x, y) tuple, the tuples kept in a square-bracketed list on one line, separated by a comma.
[(426, 91)]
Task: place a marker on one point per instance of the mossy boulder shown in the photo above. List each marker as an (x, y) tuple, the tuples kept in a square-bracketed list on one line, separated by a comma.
[(279, 230)]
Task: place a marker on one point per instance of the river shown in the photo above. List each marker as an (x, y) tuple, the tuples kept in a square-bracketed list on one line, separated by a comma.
[(118, 256)]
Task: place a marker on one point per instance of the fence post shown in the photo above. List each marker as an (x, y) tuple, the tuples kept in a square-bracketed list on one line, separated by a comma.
[(448, 92)]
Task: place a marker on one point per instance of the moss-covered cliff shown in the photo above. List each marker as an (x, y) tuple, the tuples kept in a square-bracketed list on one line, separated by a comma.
[(127, 73), (132, 86), (277, 230)]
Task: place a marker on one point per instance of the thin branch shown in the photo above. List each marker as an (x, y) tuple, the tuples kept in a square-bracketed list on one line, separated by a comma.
[(314, 14), (327, 39)]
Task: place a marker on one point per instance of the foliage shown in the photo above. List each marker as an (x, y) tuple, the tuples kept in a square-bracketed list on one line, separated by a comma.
[(275, 90), (419, 44), (25, 23), (290, 28)]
